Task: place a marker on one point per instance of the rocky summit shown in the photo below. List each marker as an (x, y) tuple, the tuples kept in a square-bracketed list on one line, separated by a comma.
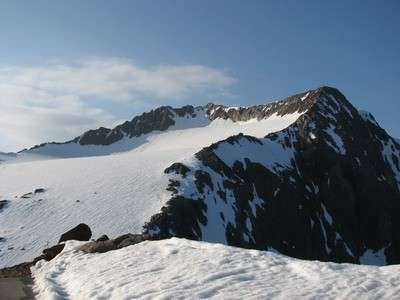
[(325, 188)]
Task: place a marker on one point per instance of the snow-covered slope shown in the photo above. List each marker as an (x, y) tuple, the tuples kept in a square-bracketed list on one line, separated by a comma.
[(113, 194), (182, 269)]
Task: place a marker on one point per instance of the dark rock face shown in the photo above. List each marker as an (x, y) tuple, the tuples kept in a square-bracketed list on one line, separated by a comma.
[(325, 188), (81, 232), (159, 119)]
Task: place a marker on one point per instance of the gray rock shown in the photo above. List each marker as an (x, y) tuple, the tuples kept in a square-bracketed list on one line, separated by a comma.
[(133, 239), (98, 247)]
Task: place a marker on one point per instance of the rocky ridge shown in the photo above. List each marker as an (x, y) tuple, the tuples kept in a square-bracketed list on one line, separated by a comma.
[(163, 118)]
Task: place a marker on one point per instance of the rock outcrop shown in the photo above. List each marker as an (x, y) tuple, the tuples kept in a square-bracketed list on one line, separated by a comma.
[(104, 245)]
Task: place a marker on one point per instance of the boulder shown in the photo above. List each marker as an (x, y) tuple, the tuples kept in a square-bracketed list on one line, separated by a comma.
[(81, 232)]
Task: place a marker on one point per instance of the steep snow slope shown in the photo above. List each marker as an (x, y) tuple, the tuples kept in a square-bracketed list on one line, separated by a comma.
[(182, 269), (113, 194)]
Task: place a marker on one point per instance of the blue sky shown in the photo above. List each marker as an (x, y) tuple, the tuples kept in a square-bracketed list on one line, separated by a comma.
[(70, 66)]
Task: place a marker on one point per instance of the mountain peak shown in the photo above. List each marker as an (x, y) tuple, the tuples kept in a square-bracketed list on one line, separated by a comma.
[(324, 188)]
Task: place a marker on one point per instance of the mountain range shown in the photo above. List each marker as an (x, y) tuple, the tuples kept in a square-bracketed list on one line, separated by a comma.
[(309, 176)]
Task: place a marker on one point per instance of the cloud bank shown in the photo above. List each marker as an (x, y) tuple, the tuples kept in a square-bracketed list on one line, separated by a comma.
[(59, 101)]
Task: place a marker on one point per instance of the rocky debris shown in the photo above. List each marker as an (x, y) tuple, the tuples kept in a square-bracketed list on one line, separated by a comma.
[(335, 196), (117, 243), (31, 194), (101, 245), (81, 232)]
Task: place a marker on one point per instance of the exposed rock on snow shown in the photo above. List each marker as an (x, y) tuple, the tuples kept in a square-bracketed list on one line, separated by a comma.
[(178, 168), (3, 204)]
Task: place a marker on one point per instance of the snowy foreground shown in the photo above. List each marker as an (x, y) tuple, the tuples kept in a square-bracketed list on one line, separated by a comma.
[(182, 269)]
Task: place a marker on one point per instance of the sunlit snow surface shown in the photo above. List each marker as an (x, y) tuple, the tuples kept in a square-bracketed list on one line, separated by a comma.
[(182, 269), (113, 194)]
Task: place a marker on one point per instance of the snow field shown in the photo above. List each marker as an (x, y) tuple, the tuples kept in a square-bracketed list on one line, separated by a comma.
[(113, 194), (182, 269)]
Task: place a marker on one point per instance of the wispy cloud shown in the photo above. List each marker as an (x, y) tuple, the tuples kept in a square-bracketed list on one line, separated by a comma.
[(52, 102), (118, 79)]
